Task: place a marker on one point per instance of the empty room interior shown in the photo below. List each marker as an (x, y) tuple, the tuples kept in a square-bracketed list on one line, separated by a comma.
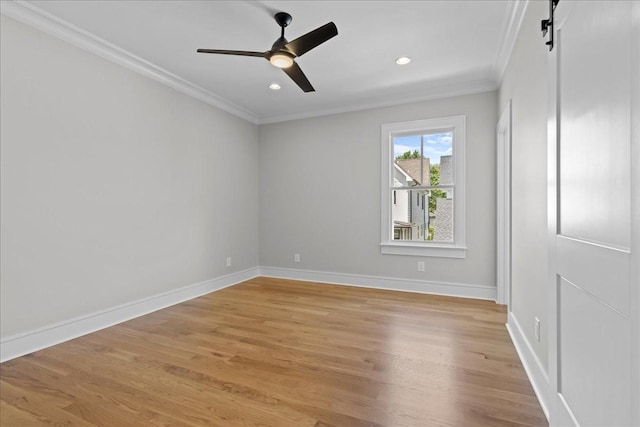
[(320, 213)]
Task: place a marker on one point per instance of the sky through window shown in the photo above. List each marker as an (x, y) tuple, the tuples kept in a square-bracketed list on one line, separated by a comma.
[(435, 145)]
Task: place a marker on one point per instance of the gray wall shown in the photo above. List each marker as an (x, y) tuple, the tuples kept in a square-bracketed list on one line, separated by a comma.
[(525, 83), (320, 193), (114, 187)]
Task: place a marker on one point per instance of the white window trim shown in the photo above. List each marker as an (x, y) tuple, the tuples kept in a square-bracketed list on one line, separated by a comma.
[(455, 249)]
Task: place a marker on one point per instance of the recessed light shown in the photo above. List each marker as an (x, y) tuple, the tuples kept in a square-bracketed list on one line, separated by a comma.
[(274, 86), (403, 60)]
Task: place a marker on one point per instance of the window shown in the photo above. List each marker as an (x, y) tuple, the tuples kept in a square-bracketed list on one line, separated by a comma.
[(425, 158)]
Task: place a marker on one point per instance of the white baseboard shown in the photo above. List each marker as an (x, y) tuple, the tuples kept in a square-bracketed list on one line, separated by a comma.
[(538, 376), (389, 283), (28, 342)]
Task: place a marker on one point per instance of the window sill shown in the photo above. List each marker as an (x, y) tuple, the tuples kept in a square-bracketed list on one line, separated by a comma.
[(425, 250)]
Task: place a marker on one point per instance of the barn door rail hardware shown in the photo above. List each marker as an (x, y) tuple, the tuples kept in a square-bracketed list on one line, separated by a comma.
[(547, 24)]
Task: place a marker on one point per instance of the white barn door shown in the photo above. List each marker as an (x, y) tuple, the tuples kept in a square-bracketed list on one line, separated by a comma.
[(593, 325)]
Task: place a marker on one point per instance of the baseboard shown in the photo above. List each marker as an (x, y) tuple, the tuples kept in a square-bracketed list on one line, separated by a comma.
[(28, 342), (538, 376), (389, 283)]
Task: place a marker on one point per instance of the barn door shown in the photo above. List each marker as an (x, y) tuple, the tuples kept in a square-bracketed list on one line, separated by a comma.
[(590, 126)]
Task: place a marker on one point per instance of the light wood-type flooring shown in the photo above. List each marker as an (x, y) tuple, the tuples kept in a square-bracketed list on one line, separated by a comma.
[(279, 353)]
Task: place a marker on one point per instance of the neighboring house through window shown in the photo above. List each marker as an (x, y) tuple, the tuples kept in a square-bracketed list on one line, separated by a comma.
[(423, 188)]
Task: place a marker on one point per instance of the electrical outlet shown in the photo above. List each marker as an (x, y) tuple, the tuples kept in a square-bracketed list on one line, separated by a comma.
[(420, 265), (296, 258), (228, 261), (536, 327)]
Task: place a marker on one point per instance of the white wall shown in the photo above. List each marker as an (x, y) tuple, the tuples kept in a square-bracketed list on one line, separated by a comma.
[(525, 83), (114, 187), (320, 193)]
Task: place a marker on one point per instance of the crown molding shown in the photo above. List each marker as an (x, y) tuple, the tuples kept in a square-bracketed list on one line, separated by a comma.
[(50, 24), (39, 19), (439, 91), (510, 29)]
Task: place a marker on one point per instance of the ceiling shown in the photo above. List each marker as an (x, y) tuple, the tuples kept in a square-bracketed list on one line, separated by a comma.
[(456, 47)]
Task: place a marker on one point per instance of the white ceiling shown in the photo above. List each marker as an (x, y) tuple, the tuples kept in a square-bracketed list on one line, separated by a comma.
[(455, 46)]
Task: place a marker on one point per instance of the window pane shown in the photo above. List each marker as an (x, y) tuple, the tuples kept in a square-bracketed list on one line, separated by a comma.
[(422, 215), (423, 159), (438, 148), (410, 219), (410, 168), (419, 159), (440, 215)]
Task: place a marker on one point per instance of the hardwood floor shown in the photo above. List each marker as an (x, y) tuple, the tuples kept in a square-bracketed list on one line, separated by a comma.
[(271, 352)]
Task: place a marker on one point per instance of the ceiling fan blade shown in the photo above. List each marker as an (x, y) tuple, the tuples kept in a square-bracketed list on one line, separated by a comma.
[(296, 74), (305, 43), (234, 52)]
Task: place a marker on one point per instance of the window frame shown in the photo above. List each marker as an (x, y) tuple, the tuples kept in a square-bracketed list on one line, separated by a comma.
[(455, 249)]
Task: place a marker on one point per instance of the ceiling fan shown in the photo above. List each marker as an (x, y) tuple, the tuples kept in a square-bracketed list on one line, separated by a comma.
[(283, 52)]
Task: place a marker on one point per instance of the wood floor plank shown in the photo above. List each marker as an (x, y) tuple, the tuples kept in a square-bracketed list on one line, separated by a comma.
[(278, 353)]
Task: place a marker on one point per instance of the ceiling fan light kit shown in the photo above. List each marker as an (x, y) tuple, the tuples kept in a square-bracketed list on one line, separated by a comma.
[(281, 60), (283, 52)]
